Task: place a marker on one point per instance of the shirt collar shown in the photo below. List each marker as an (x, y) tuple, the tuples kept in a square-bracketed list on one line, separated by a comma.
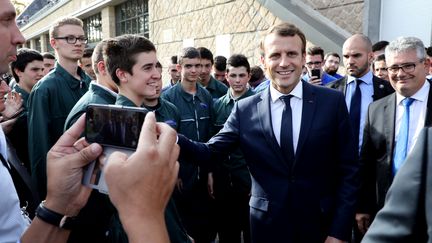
[(296, 92), (367, 78), (420, 95), (103, 87)]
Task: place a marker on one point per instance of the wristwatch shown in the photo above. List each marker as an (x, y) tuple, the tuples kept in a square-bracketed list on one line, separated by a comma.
[(54, 218)]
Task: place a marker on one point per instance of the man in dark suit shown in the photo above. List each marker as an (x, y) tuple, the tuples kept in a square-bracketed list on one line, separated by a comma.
[(302, 156), (406, 216), (393, 123)]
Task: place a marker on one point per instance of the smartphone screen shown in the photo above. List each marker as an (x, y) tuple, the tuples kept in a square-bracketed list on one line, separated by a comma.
[(316, 72), (116, 126)]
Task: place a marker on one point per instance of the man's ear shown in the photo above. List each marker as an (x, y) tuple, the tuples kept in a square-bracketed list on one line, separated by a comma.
[(53, 43), (262, 60), (179, 68), (121, 75), (101, 67)]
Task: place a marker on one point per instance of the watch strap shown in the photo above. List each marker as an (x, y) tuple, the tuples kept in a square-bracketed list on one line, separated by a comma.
[(54, 218)]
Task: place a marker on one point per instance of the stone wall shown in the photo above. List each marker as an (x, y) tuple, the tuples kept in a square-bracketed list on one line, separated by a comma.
[(348, 14), (171, 22)]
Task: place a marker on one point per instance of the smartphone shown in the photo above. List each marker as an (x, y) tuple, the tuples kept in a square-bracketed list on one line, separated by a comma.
[(316, 72), (116, 128)]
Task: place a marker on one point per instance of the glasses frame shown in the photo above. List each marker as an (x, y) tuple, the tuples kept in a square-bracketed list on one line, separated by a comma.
[(406, 67), (311, 64), (70, 39)]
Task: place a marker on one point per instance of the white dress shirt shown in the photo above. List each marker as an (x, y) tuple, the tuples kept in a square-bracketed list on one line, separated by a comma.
[(12, 221), (277, 106), (417, 114)]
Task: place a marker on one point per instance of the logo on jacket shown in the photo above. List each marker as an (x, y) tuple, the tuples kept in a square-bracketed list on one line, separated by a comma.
[(172, 123), (204, 105)]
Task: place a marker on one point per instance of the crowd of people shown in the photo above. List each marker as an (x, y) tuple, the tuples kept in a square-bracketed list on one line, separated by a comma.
[(297, 149)]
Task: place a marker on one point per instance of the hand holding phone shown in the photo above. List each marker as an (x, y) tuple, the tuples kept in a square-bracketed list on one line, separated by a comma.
[(116, 128), (315, 76)]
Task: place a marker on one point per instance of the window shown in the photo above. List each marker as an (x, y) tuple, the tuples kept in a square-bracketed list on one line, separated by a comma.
[(132, 18), (93, 28), (38, 44), (48, 45)]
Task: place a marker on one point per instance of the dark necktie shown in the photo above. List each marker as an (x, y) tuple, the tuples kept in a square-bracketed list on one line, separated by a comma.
[(286, 134), (402, 141), (355, 111)]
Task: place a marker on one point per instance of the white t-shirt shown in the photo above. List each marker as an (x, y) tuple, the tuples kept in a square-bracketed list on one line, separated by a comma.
[(12, 221)]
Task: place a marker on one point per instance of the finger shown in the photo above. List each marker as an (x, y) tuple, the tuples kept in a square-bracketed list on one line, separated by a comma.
[(86, 155), (148, 133), (167, 137), (114, 163), (72, 134), (174, 153), (81, 144)]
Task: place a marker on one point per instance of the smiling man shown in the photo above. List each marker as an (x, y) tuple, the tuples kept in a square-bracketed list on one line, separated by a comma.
[(304, 178), (53, 97), (393, 123)]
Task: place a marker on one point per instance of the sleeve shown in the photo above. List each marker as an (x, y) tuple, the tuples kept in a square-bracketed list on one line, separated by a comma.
[(403, 217), (367, 196), (348, 174), (38, 137)]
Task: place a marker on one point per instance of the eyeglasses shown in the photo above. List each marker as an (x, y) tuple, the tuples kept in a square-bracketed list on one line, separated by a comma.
[(72, 39), (310, 64), (406, 67)]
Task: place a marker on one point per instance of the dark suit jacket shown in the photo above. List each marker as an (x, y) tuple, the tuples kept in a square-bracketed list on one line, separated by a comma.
[(314, 196), (376, 155), (407, 214), (381, 87)]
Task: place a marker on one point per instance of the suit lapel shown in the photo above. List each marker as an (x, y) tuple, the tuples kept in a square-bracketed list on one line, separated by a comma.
[(428, 120), (378, 88), (308, 112), (342, 87), (264, 111), (390, 115)]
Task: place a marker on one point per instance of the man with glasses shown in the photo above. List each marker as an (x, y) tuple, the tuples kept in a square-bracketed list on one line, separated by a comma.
[(393, 123), (53, 97), (314, 63)]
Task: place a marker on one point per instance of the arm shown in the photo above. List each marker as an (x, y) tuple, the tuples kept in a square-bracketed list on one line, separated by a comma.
[(66, 195), (403, 215), (150, 184), (39, 141), (348, 173)]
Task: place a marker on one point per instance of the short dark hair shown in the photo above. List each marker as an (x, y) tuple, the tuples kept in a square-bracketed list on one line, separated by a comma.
[(206, 54), (48, 55), (256, 74), (380, 45), (429, 51), (334, 54), (285, 29), (24, 57), (88, 52), (190, 53), (378, 59), (120, 53), (174, 59), (97, 55), (220, 63), (238, 60), (315, 50)]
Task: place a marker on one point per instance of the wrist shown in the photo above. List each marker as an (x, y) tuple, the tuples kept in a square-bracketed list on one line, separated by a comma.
[(54, 218), (65, 208)]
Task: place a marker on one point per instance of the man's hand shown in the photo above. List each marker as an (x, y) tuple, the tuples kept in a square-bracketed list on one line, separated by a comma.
[(333, 240), (65, 161), (8, 125), (363, 222), (315, 80), (13, 105), (141, 185)]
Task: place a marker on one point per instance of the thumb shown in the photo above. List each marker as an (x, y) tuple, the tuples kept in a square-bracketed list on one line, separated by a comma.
[(114, 162), (87, 155)]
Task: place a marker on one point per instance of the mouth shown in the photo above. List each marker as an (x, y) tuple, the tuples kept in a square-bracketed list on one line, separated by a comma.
[(285, 73)]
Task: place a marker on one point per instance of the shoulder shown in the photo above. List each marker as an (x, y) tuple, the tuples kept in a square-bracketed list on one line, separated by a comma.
[(335, 83)]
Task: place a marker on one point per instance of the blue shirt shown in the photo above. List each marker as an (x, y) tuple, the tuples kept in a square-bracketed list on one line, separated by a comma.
[(325, 78), (262, 86), (367, 92)]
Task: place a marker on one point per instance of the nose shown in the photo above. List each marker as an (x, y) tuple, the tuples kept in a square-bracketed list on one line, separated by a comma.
[(284, 61), (17, 37)]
